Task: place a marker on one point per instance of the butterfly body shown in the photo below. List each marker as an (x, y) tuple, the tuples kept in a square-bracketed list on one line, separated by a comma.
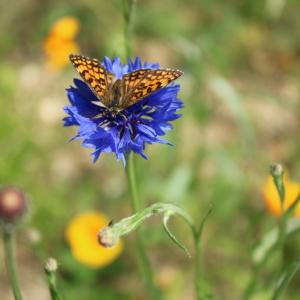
[(115, 96), (119, 94)]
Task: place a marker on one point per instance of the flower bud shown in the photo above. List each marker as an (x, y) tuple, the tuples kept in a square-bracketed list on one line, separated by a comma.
[(107, 238), (276, 170), (13, 203), (50, 265)]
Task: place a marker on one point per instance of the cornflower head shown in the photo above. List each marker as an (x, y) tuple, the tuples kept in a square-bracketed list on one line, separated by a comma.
[(120, 108)]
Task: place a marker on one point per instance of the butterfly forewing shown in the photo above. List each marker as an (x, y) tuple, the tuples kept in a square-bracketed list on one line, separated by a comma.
[(95, 75), (141, 83), (119, 94)]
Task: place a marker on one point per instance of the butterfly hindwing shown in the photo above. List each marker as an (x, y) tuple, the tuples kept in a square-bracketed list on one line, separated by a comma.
[(141, 83), (94, 74)]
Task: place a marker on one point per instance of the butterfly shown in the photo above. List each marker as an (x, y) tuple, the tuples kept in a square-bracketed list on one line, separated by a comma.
[(119, 94)]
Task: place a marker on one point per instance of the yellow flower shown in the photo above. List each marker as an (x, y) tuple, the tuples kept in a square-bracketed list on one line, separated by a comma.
[(57, 51), (81, 234), (66, 28), (60, 42), (272, 200)]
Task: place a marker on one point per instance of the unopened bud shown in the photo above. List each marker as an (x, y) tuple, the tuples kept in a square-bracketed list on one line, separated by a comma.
[(276, 170), (107, 238), (50, 265), (277, 173), (13, 203)]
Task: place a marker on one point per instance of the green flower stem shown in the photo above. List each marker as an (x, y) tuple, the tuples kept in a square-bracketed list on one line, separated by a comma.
[(197, 234), (266, 249), (198, 266), (9, 250), (109, 236), (277, 173), (50, 269), (282, 231), (131, 223), (144, 262), (251, 287), (284, 280), (52, 286), (128, 10)]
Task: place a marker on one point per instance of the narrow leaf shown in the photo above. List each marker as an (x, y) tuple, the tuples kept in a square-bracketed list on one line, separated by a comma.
[(171, 235), (285, 279), (269, 241), (109, 235), (201, 227)]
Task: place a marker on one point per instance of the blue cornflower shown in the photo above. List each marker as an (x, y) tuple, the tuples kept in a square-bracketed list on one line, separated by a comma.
[(139, 124)]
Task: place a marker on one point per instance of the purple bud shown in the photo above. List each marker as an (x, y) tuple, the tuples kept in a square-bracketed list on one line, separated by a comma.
[(13, 203)]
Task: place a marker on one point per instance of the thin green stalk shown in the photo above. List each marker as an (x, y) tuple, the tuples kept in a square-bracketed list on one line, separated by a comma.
[(279, 183), (50, 269), (144, 262), (281, 238), (198, 266), (250, 289), (284, 280), (9, 250), (277, 173), (278, 177), (128, 12), (197, 234), (52, 287)]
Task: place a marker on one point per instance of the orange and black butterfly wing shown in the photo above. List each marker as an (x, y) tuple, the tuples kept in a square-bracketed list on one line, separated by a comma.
[(141, 83), (95, 75)]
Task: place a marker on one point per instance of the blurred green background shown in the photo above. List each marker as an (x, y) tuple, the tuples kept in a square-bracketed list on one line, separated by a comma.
[(241, 92)]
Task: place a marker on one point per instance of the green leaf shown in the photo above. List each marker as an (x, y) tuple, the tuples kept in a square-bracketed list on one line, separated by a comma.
[(270, 239), (109, 235), (285, 279), (292, 208), (171, 235), (202, 224)]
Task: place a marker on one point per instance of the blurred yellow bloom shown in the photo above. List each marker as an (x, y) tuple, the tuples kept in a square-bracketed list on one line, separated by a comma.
[(57, 51), (60, 42), (81, 234), (272, 200), (66, 28)]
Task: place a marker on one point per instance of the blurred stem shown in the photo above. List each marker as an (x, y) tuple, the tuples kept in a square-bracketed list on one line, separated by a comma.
[(250, 289), (277, 174), (198, 266), (52, 286), (9, 250), (137, 205), (144, 263), (128, 10), (197, 234)]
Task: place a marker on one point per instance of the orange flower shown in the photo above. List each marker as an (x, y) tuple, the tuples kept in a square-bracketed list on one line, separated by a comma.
[(272, 200), (57, 51), (81, 234), (60, 42), (66, 28)]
